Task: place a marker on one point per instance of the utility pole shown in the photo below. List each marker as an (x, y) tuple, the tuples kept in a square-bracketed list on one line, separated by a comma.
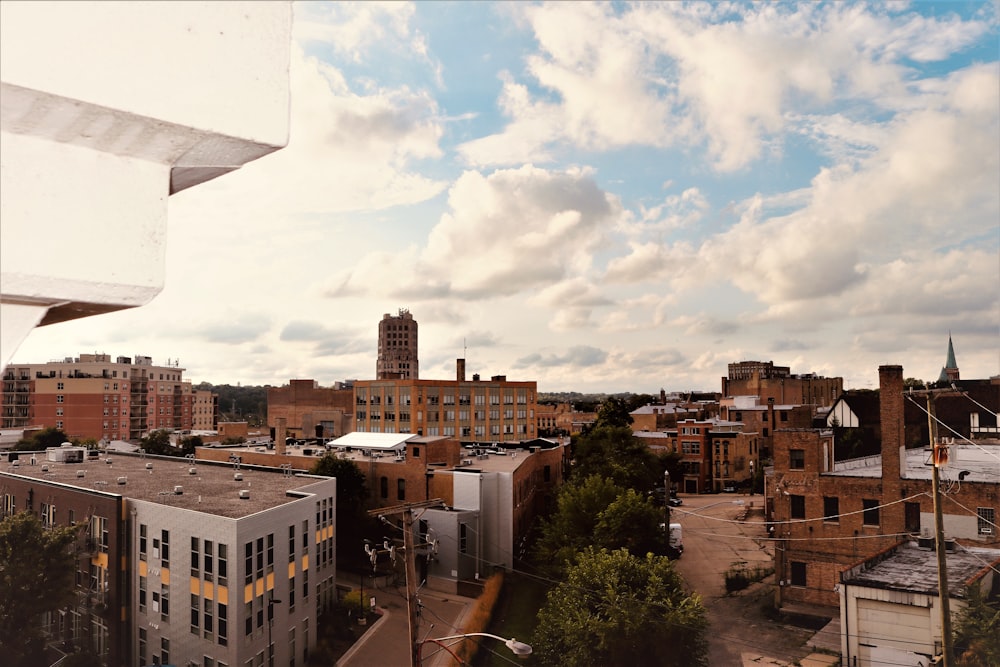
[(410, 556), (939, 457)]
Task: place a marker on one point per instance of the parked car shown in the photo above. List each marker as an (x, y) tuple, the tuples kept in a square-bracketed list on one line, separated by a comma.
[(729, 489), (675, 502)]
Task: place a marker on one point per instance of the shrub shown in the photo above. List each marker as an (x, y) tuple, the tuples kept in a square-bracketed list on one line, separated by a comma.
[(479, 619), (739, 575)]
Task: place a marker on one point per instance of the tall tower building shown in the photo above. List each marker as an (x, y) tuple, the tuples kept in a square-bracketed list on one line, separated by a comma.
[(950, 371), (397, 347)]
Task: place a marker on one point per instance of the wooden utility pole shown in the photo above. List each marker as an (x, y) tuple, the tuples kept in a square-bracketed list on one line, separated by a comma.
[(939, 457), (410, 556)]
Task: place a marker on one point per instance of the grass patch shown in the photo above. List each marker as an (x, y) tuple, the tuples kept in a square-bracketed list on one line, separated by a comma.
[(740, 575)]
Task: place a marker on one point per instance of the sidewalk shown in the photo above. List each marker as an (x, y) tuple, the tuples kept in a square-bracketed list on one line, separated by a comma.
[(386, 644)]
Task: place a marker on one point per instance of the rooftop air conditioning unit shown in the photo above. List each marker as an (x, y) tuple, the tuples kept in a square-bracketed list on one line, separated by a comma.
[(238, 476), (81, 473), (122, 481), (178, 490), (107, 461), (45, 468), (149, 466), (192, 471), (245, 494), (467, 462)]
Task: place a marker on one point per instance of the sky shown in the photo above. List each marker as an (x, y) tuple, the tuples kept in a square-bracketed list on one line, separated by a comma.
[(607, 197)]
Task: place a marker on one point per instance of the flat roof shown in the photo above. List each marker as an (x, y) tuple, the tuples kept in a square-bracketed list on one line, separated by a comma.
[(373, 440), (981, 461), (212, 488), (914, 569)]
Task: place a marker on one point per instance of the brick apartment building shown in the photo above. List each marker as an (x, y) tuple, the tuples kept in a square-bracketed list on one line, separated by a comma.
[(182, 562), (767, 381), (831, 514), (716, 454), (562, 419), (91, 396), (764, 419)]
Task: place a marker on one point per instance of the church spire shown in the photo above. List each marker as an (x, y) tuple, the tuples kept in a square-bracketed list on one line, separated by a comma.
[(950, 371)]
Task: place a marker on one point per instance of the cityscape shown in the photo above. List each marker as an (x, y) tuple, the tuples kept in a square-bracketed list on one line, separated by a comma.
[(567, 334)]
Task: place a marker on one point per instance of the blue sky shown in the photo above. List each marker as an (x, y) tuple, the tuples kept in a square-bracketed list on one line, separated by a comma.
[(600, 197)]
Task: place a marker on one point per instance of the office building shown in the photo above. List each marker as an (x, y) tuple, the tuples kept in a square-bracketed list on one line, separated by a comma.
[(397, 347)]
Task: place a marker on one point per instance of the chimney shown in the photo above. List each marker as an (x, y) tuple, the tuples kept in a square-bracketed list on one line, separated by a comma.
[(280, 433), (890, 382), (460, 370)]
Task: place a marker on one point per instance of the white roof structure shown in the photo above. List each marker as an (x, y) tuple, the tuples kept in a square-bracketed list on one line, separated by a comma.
[(380, 441)]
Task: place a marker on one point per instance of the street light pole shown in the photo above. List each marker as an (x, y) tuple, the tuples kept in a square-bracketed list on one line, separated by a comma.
[(270, 621), (520, 649)]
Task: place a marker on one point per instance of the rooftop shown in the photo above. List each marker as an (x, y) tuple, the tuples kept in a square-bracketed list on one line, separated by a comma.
[(911, 568), (980, 461), (206, 487)]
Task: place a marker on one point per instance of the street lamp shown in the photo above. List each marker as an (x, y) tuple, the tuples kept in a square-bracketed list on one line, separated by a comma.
[(520, 649), (270, 621)]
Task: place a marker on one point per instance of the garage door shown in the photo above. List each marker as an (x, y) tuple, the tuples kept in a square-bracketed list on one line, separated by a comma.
[(893, 634)]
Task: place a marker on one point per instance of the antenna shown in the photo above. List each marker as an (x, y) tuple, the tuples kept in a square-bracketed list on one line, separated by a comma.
[(465, 350)]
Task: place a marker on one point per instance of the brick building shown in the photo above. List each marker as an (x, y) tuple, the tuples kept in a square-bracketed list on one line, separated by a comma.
[(763, 419), (476, 411), (716, 454), (397, 347), (830, 514), (91, 396), (767, 381), (311, 411), (562, 419)]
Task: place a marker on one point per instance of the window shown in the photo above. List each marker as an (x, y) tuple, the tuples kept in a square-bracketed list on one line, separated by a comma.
[(798, 506), (831, 509), (60, 398), (797, 459), (463, 538), (987, 520), (798, 573), (222, 628), (911, 517), (383, 487), (401, 489), (870, 513)]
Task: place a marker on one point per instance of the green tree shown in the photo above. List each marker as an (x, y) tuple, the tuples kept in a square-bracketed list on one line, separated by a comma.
[(977, 631), (617, 609), (158, 443), (36, 575), (615, 453), (613, 411), (353, 525), (631, 522), (47, 437), (571, 527)]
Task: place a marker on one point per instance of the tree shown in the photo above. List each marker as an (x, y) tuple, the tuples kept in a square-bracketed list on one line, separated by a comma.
[(352, 488), (571, 527), (977, 631), (619, 609), (615, 453), (631, 522), (353, 525), (47, 437), (37, 568), (158, 443), (613, 411)]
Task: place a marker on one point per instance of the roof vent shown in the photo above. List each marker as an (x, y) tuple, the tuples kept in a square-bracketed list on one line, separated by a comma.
[(149, 466), (122, 481), (238, 476), (45, 468), (245, 494), (81, 473), (178, 490), (192, 471), (108, 461)]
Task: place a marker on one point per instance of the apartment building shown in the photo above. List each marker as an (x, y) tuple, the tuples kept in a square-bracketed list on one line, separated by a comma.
[(717, 454), (494, 410), (185, 562), (311, 411), (93, 396), (562, 419), (763, 419), (204, 410), (767, 381), (829, 514)]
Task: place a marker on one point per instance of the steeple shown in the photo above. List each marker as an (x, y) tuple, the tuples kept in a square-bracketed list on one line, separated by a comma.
[(950, 371)]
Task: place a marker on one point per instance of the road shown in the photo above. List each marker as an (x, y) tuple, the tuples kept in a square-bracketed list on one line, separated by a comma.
[(718, 531)]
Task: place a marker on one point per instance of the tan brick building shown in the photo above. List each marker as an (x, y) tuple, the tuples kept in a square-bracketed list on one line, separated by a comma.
[(484, 411), (767, 381), (306, 407), (831, 514)]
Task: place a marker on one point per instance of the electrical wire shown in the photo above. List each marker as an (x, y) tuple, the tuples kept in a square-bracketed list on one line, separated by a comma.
[(960, 436), (795, 521)]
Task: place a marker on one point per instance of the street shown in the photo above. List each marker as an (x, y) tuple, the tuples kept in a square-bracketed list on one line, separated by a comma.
[(718, 531)]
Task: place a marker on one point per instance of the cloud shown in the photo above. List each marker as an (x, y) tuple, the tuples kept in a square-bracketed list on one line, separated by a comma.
[(241, 328), (583, 356)]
